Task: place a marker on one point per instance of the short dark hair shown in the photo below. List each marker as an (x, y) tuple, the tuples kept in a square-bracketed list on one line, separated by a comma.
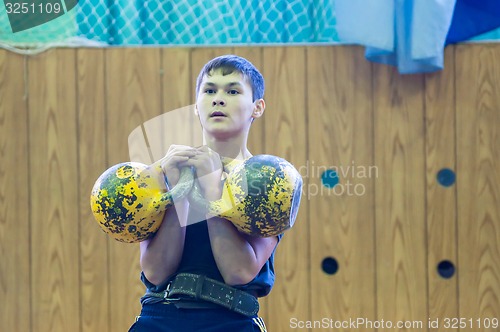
[(230, 63)]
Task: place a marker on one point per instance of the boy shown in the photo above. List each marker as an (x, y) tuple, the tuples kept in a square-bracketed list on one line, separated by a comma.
[(206, 276)]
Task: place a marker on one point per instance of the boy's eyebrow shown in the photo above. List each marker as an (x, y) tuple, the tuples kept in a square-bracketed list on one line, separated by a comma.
[(230, 84)]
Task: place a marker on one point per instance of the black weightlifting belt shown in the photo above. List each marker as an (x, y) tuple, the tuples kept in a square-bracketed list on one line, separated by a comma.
[(199, 287)]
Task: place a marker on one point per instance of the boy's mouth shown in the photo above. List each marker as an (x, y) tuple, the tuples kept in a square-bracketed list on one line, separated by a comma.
[(217, 114)]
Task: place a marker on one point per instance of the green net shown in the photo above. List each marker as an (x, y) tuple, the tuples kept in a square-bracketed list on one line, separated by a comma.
[(188, 22), (193, 22)]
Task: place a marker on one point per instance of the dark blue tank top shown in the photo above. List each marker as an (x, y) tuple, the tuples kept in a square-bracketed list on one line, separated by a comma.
[(198, 258)]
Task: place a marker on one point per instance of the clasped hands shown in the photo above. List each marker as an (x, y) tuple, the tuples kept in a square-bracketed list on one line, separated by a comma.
[(205, 161)]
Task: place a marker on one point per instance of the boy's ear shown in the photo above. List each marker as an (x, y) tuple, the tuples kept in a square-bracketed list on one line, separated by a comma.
[(196, 110), (260, 106)]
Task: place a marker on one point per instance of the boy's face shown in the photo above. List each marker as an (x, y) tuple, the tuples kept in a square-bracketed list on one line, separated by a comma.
[(224, 104)]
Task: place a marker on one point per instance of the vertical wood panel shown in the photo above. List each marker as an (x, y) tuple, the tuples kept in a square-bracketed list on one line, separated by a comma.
[(92, 162), (53, 185), (399, 196), (441, 201), (178, 118), (133, 97), (285, 129), (341, 219), (177, 85), (478, 170), (176, 123), (15, 314)]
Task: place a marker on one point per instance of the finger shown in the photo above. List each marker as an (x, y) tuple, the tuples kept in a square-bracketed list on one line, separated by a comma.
[(199, 159), (203, 148), (174, 160), (190, 152), (174, 147), (182, 153), (191, 162), (176, 151)]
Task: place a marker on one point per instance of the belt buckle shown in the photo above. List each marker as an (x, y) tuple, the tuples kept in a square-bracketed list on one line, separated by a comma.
[(167, 291)]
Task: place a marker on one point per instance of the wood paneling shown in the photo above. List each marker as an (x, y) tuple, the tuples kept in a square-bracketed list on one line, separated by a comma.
[(441, 201), (53, 169), (286, 132), (179, 119), (341, 219), (133, 90), (14, 196), (66, 115), (92, 135), (399, 196), (478, 176)]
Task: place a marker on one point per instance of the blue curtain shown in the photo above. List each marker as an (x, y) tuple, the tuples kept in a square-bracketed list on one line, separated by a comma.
[(412, 34), (472, 18)]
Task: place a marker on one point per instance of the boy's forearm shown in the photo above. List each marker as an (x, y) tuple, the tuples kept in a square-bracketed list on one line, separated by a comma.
[(235, 257), (161, 255)]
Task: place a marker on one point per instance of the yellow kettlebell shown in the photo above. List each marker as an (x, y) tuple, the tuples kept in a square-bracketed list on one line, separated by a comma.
[(129, 199), (261, 196)]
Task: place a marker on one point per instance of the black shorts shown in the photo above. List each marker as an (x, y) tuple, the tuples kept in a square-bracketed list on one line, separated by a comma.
[(166, 317)]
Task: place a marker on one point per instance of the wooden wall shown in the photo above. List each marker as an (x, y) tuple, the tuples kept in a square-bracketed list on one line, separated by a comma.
[(65, 116)]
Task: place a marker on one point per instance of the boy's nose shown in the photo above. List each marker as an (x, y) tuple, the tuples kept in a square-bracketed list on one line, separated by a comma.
[(218, 102)]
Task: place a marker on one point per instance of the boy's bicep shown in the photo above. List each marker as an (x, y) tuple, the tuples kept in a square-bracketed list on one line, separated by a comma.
[(263, 247)]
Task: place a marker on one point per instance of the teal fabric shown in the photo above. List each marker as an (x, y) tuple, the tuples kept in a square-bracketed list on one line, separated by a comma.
[(212, 22), (493, 35)]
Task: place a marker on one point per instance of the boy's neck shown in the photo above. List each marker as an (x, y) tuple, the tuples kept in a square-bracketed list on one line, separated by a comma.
[(234, 148)]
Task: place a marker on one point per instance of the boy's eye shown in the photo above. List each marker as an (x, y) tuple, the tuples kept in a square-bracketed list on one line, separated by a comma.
[(233, 92), (209, 91)]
